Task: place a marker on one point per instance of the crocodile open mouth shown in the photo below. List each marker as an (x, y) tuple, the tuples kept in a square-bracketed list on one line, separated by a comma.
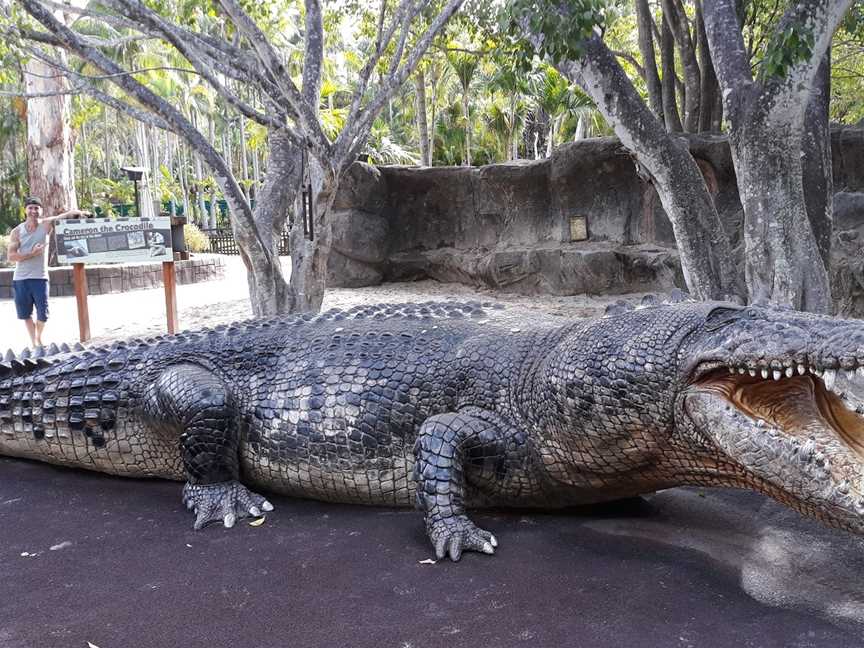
[(816, 414)]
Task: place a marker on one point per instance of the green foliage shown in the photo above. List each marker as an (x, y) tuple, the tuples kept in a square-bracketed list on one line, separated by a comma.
[(196, 240), (559, 26), (788, 47), (4, 251)]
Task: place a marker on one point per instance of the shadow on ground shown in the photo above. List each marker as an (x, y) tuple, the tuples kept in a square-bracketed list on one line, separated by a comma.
[(90, 558)]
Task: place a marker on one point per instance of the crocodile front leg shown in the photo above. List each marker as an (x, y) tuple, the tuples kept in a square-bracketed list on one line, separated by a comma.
[(448, 446), (197, 402)]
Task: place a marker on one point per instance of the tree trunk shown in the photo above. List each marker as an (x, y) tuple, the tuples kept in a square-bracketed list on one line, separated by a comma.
[(782, 261), (309, 257), (706, 259), (645, 26), (710, 90), (50, 146), (422, 124), (674, 12), (671, 116), (269, 293), (817, 171), (465, 108)]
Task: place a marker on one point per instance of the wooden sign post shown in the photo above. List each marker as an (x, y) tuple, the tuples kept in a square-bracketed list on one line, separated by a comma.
[(79, 278), (122, 240), (169, 280)]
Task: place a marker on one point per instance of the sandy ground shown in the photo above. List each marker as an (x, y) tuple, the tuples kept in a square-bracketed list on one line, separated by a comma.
[(142, 312)]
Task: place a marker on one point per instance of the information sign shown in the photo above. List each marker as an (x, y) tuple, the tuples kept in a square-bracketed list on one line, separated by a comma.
[(103, 240)]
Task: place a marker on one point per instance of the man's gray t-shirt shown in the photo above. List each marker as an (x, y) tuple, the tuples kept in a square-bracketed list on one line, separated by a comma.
[(36, 267)]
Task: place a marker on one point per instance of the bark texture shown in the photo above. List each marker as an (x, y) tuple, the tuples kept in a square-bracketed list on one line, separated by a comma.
[(784, 261), (50, 154), (705, 254)]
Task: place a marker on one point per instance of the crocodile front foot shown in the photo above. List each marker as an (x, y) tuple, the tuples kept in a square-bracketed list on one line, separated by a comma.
[(453, 535), (222, 502)]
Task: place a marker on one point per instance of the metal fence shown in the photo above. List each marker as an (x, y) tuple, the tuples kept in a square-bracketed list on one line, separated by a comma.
[(222, 241)]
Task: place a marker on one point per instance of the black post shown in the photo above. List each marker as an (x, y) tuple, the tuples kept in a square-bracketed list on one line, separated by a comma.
[(137, 200)]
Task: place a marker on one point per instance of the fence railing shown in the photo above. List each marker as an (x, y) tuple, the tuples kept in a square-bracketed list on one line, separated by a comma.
[(222, 241)]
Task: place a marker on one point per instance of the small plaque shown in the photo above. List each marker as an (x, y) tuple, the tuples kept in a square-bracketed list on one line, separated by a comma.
[(578, 228)]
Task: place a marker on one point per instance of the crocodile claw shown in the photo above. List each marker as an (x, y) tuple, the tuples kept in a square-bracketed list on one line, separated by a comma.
[(224, 502), (451, 536)]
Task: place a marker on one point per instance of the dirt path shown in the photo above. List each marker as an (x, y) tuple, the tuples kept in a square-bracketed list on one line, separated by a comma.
[(141, 313)]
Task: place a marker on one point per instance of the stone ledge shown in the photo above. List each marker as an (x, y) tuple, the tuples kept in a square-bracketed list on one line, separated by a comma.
[(566, 269), (104, 279)]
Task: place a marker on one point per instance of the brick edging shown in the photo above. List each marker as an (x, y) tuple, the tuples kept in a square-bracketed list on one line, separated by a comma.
[(103, 279)]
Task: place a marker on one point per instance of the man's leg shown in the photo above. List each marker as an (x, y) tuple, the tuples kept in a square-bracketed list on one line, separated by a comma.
[(31, 330), (24, 307), (40, 325), (40, 300)]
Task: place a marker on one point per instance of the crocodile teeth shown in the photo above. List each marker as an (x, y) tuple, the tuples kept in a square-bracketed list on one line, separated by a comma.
[(789, 372), (752, 372), (765, 374), (829, 377), (860, 372), (801, 369), (760, 423), (731, 370), (742, 370), (777, 375), (849, 373)]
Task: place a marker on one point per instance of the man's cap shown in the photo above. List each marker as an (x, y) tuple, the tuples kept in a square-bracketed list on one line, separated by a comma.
[(32, 200)]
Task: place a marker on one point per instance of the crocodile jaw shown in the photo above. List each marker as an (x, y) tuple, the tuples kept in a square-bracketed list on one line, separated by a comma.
[(798, 438)]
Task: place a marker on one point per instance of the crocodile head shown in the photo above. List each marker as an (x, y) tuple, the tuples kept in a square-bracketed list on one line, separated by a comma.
[(773, 400)]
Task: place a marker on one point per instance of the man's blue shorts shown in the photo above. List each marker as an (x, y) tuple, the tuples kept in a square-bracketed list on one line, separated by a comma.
[(30, 293)]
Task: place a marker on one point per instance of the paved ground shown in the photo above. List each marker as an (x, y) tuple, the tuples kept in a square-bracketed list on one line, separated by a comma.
[(142, 312), (114, 562)]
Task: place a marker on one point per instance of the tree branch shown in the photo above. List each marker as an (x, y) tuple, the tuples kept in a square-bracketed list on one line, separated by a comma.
[(84, 85), (381, 43), (306, 116), (347, 140), (150, 19), (240, 207), (728, 53)]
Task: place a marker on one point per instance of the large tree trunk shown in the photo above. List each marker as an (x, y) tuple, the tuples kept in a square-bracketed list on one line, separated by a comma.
[(782, 261), (310, 251), (50, 153), (818, 177), (645, 26), (675, 14), (269, 292), (710, 90), (703, 246), (671, 116)]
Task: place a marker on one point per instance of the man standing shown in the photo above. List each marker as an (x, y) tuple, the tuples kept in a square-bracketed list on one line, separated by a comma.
[(27, 248)]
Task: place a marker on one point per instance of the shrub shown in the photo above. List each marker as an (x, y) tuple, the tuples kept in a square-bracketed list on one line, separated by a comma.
[(4, 246), (196, 240)]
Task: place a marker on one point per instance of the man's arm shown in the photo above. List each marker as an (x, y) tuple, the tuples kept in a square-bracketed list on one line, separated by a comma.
[(67, 214), (15, 243)]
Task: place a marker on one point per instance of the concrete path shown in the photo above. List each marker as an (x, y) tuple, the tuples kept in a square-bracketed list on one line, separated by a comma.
[(139, 310)]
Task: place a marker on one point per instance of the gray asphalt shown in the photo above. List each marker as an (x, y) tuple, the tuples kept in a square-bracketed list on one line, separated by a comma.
[(686, 568)]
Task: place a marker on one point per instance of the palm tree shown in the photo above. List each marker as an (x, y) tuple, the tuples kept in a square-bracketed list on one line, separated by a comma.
[(464, 65)]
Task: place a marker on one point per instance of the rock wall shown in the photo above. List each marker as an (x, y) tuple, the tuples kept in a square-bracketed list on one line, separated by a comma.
[(507, 226)]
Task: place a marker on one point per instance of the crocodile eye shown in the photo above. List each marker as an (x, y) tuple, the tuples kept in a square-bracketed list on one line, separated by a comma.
[(722, 316)]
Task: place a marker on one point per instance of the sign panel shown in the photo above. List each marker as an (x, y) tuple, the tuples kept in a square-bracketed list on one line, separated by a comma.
[(124, 240)]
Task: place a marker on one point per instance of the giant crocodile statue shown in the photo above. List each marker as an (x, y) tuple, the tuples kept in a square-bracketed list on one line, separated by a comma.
[(453, 406)]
